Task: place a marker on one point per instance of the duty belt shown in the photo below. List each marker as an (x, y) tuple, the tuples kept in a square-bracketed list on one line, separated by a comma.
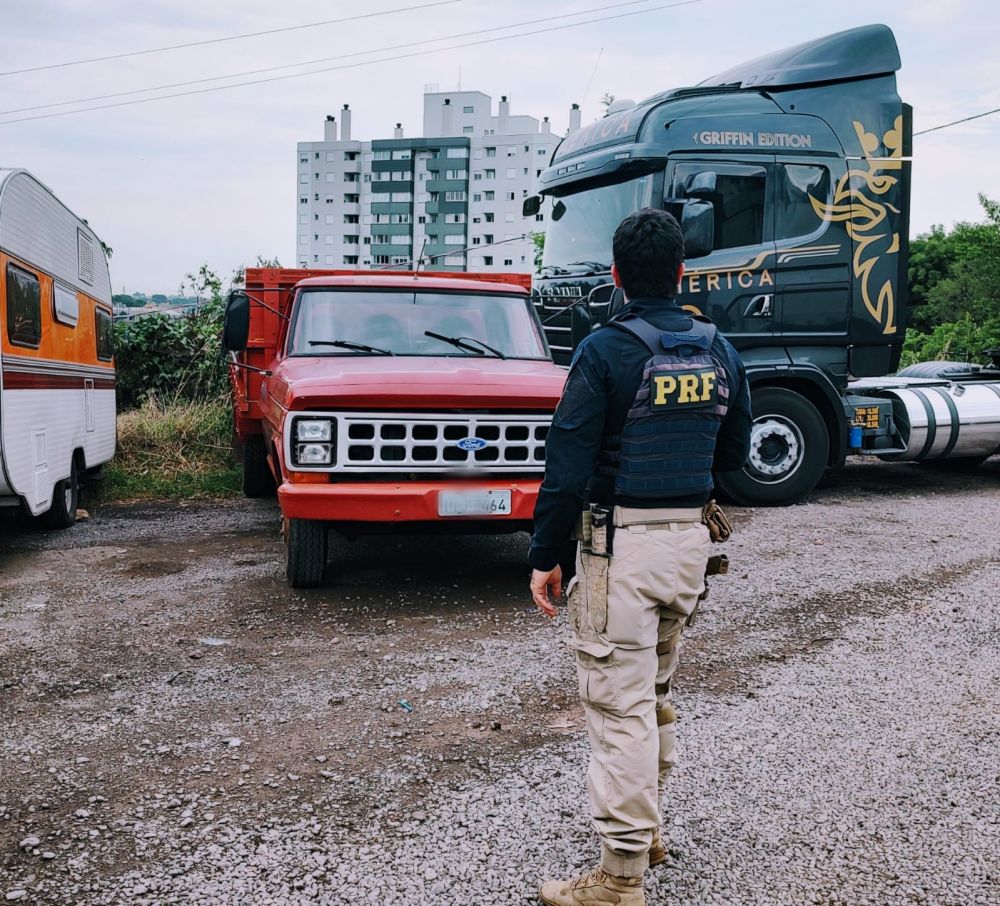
[(665, 518)]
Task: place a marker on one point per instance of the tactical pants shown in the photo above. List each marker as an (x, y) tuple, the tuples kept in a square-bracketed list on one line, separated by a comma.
[(627, 614)]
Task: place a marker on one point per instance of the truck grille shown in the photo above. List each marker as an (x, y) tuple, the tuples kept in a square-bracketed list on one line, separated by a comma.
[(379, 442)]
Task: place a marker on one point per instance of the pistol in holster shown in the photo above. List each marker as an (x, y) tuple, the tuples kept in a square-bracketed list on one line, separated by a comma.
[(717, 565)]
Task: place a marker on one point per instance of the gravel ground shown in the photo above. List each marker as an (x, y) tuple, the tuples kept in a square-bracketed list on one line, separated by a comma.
[(839, 698)]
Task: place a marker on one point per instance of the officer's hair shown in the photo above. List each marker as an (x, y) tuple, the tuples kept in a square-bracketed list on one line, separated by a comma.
[(648, 249)]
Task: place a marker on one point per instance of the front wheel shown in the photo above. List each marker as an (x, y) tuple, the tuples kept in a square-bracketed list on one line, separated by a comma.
[(65, 496), (789, 451), (307, 552)]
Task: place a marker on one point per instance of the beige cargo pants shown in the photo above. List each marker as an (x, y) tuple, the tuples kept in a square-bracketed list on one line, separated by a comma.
[(627, 614)]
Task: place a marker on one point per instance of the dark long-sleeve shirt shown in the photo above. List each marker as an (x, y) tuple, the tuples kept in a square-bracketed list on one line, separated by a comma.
[(603, 380)]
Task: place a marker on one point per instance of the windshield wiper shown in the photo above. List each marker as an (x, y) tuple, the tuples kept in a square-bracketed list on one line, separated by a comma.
[(553, 269), (354, 347), (595, 265), (463, 343)]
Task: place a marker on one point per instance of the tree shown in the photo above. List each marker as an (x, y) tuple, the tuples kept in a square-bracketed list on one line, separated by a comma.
[(538, 240)]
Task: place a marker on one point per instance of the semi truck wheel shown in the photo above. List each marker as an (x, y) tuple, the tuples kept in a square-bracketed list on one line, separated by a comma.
[(65, 496), (257, 478), (306, 554), (789, 450)]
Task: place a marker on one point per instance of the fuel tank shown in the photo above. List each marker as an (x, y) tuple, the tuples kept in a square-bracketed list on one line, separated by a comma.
[(945, 420)]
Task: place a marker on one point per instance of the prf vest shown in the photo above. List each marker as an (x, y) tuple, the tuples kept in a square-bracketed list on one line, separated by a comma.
[(667, 443)]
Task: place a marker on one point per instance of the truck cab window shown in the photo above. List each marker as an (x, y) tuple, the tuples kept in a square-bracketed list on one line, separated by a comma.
[(737, 194), (24, 308), (798, 184)]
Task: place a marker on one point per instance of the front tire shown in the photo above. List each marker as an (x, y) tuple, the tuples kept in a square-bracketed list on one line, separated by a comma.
[(789, 451), (65, 497), (306, 554), (258, 481)]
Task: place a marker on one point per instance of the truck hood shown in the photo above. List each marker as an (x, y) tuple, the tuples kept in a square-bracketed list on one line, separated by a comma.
[(427, 382)]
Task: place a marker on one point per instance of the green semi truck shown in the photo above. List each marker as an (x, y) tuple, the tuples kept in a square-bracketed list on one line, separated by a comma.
[(790, 176)]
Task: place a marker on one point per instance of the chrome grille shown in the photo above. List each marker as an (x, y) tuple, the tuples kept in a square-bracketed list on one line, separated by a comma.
[(412, 442)]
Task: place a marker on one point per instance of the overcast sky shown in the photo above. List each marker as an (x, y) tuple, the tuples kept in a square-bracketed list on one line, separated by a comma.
[(212, 177)]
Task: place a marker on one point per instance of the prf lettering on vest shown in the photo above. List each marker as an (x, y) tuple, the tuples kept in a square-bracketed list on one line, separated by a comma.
[(684, 388)]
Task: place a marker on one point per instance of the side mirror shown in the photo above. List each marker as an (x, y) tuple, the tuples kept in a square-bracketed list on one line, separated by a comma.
[(532, 205), (236, 324), (604, 302), (580, 324), (700, 183), (698, 227)]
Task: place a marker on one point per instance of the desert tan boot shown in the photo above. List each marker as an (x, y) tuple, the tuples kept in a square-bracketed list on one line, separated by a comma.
[(596, 888), (657, 849)]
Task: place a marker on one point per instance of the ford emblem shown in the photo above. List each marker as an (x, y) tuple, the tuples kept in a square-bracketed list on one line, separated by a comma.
[(472, 443)]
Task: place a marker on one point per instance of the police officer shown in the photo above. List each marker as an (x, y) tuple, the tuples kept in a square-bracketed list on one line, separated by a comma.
[(655, 402)]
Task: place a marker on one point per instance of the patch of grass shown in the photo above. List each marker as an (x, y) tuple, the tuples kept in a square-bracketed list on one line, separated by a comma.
[(173, 450)]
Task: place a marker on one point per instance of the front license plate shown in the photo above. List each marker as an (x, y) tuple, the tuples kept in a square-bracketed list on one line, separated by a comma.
[(474, 503)]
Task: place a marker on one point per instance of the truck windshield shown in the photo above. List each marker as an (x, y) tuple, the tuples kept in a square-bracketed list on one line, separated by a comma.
[(379, 322), (580, 226)]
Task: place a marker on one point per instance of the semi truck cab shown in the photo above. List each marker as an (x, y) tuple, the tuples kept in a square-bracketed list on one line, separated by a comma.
[(790, 176)]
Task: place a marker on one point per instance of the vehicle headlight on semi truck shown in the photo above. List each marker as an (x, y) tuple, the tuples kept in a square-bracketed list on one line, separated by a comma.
[(312, 442)]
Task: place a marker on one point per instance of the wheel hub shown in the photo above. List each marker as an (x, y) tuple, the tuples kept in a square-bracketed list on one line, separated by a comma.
[(776, 447)]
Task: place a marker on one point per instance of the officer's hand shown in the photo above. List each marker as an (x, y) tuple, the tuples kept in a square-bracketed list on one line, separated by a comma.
[(541, 583)]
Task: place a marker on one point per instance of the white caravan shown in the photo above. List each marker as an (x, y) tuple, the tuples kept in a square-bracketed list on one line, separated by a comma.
[(57, 380)]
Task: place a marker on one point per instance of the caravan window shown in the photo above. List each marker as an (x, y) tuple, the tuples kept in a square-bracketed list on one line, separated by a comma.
[(66, 304), (24, 308), (737, 193), (105, 336)]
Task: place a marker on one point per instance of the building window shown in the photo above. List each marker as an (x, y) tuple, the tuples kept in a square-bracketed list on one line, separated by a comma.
[(381, 259), (352, 198), (328, 259), (488, 216), (477, 196), (488, 260), (489, 195), (316, 155), (468, 110), (303, 199), (488, 239), (315, 175), (468, 130), (476, 240), (350, 177), (401, 196), (541, 152), (456, 174), (330, 157), (316, 217), (511, 150), (508, 262), (457, 153), (539, 217), (421, 219), (403, 154), (455, 196), (303, 179), (350, 155), (511, 173), (367, 240), (382, 155), (367, 177), (330, 218), (304, 159), (350, 259), (315, 259), (24, 308), (350, 240), (511, 196), (491, 174), (508, 217), (491, 152), (350, 218), (477, 175)]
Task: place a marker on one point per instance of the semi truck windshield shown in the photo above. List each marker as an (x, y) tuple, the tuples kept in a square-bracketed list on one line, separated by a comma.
[(393, 322), (581, 225)]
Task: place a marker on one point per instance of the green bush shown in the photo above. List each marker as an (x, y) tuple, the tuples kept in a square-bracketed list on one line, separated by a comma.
[(958, 341), (173, 449)]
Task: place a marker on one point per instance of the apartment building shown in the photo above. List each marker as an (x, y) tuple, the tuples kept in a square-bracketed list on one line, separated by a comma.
[(451, 198)]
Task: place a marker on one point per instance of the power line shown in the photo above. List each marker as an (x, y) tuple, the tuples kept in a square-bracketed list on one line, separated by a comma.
[(965, 119), (360, 53), (391, 59), (251, 34)]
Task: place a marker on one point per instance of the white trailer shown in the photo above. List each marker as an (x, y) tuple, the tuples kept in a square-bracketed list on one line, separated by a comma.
[(57, 372)]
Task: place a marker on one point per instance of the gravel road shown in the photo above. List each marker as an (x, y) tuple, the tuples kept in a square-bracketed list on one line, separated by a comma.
[(179, 727)]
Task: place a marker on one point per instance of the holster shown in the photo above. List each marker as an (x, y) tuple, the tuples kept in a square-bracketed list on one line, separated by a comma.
[(719, 527)]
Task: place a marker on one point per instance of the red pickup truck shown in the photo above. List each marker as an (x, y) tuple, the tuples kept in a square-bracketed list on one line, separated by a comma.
[(369, 399)]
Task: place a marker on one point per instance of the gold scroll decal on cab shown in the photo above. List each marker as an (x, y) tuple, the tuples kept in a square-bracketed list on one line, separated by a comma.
[(680, 389)]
